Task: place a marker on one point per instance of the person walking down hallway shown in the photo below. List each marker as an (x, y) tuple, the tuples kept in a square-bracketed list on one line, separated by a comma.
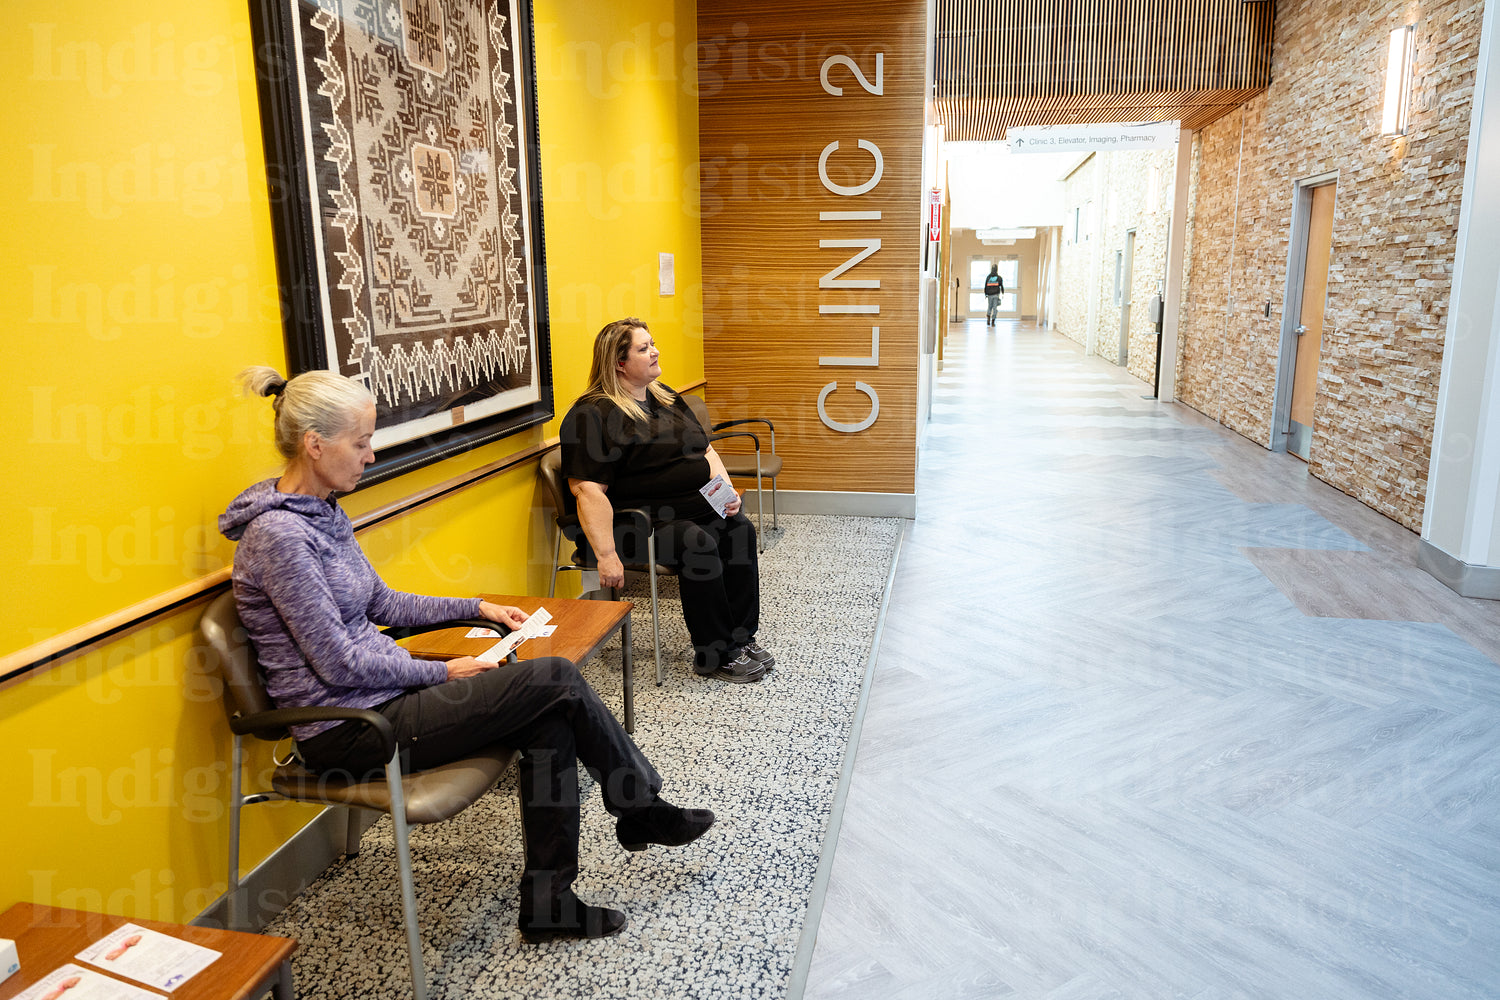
[(994, 287)]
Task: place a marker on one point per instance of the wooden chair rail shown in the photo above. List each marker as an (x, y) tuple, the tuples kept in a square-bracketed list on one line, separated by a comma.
[(23, 663)]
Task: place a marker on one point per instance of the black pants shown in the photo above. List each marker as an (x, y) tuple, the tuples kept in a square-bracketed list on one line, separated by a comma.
[(543, 708), (718, 575)]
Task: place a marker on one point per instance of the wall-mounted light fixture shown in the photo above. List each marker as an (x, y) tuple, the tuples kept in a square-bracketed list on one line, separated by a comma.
[(1398, 80)]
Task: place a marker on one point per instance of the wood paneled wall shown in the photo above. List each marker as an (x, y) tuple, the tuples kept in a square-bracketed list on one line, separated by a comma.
[(1049, 62), (775, 193)]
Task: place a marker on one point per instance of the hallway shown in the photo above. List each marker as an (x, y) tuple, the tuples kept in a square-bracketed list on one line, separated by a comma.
[(1110, 748)]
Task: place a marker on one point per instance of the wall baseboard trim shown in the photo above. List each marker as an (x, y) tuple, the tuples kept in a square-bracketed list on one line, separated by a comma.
[(1464, 579), (821, 502), (271, 886)]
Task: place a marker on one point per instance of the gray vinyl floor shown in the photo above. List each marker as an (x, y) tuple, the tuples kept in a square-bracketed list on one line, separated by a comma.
[(1156, 714)]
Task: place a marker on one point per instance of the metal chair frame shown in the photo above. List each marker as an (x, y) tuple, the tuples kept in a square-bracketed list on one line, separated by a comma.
[(549, 468), (718, 432), (419, 797)]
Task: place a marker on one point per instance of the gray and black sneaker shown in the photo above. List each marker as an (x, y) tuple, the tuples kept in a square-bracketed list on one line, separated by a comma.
[(760, 655), (740, 670)]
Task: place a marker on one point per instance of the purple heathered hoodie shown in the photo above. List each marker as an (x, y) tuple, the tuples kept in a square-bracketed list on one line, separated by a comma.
[(311, 601)]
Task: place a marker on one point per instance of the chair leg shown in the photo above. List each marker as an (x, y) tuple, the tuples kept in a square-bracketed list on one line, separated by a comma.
[(760, 506), (352, 830), (774, 522), (627, 675), (655, 617), (408, 890), (556, 555), (237, 920)]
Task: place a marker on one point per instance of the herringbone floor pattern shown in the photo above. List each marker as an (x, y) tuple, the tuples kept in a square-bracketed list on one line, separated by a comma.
[(1155, 714)]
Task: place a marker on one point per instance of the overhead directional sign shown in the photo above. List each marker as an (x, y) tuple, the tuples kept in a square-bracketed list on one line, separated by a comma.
[(1092, 138)]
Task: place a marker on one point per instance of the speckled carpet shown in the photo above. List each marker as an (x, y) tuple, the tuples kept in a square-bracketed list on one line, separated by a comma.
[(718, 919)]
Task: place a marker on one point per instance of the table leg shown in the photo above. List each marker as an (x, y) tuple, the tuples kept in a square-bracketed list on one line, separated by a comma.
[(283, 989), (627, 667)]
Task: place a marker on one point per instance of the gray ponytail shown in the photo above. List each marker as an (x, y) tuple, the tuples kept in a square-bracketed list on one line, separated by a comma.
[(320, 401)]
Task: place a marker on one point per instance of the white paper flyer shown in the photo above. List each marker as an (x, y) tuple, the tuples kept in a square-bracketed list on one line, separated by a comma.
[(533, 627), (718, 493), (148, 956), (74, 982)]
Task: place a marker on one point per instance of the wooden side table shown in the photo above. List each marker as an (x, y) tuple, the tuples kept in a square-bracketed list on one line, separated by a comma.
[(583, 627), (48, 936)]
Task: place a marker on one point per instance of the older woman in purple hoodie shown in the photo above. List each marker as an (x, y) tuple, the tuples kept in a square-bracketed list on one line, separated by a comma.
[(311, 604)]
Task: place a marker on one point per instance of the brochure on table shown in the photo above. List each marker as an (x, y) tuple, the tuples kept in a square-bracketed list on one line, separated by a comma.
[(74, 982), (147, 956)]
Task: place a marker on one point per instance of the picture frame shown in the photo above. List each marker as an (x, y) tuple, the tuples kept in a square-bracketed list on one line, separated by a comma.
[(401, 147)]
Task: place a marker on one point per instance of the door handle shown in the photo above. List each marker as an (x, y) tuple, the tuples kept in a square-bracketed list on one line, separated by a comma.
[(1301, 329)]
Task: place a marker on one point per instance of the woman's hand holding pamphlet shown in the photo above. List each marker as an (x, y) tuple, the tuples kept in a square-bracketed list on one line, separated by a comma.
[(719, 494)]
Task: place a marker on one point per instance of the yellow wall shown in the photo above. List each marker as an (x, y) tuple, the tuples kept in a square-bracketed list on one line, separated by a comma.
[(140, 277)]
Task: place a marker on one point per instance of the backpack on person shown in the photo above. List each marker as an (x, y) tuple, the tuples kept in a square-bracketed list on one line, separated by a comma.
[(993, 285)]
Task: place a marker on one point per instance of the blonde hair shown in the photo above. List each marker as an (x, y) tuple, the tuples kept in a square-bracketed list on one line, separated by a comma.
[(611, 347), (324, 402)]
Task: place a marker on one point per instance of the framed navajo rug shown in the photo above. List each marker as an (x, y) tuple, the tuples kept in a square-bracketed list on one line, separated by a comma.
[(401, 149)]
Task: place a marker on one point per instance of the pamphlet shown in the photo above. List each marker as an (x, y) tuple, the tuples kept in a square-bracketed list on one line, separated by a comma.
[(489, 633), (74, 982), (718, 493), (148, 956), (532, 628)]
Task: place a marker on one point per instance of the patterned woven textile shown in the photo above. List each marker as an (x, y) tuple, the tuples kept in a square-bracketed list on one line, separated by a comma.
[(719, 918), (414, 163)]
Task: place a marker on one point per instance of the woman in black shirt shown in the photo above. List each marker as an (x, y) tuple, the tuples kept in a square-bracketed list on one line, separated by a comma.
[(630, 441)]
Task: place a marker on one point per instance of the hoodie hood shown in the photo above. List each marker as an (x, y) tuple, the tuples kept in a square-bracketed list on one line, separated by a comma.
[(264, 497)]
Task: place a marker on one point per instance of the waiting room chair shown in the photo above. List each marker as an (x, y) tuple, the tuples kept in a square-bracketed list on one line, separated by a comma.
[(762, 465), (429, 796), (630, 520)]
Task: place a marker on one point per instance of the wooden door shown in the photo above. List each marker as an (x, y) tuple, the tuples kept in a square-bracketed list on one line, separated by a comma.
[(1310, 321)]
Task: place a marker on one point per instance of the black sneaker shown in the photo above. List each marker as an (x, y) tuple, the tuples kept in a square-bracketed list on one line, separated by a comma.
[(760, 655), (570, 917), (740, 670), (662, 823)]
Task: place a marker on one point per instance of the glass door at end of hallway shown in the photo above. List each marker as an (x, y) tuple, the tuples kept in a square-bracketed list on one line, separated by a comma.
[(1010, 273)]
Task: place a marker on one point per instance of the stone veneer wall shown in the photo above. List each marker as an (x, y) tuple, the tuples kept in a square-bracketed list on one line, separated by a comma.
[(1117, 192), (1079, 258), (1395, 222)]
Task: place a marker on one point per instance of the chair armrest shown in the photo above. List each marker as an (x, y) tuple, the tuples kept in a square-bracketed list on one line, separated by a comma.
[(628, 517), (751, 420), (737, 434), (632, 519), (407, 631), (746, 420), (272, 724)]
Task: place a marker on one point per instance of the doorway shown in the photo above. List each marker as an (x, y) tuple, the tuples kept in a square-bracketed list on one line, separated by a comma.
[(1124, 267), (1010, 273), (1306, 299)]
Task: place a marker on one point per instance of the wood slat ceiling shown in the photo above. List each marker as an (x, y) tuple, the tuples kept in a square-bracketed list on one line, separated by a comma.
[(1070, 62)]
